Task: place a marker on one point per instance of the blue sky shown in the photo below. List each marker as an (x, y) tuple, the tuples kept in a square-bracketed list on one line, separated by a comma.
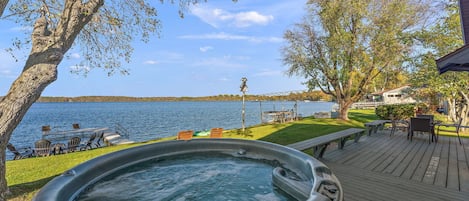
[(206, 53)]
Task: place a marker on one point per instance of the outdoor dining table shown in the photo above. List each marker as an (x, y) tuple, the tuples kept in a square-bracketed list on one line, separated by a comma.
[(65, 135)]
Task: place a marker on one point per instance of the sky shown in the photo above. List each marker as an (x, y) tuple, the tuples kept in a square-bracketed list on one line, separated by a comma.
[(203, 54)]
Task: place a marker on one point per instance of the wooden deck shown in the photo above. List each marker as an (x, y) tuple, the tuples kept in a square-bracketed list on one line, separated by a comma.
[(384, 167)]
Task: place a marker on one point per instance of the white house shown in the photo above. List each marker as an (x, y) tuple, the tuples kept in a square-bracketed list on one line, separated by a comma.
[(395, 96)]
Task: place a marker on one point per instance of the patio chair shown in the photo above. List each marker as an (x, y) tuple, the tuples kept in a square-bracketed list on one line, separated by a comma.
[(76, 126), (21, 152), (100, 138), (89, 143), (45, 129), (216, 133), (58, 148), (185, 135), (73, 144), (421, 125), (456, 125), (42, 147)]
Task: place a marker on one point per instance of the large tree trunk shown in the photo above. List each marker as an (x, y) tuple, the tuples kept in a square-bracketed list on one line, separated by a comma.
[(344, 107), (48, 48), (23, 93)]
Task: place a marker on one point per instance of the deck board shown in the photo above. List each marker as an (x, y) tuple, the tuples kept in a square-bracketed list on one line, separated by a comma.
[(383, 167)]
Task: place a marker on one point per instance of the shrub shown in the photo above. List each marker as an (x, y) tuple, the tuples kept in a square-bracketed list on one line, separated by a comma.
[(398, 111)]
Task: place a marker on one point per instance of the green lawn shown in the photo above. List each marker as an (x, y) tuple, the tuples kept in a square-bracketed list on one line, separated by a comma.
[(25, 177)]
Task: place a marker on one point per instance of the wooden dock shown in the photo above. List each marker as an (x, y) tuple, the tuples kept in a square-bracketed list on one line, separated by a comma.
[(384, 167)]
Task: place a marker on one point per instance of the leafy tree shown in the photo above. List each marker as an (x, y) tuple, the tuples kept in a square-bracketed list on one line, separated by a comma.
[(341, 46), (102, 29), (441, 39)]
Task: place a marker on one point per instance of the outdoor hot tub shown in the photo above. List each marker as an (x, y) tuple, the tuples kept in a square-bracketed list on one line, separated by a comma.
[(197, 169)]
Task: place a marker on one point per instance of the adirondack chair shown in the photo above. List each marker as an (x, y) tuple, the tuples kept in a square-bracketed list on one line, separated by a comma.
[(216, 133), (100, 138), (73, 144), (89, 143), (42, 147), (185, 135), (20, 153)]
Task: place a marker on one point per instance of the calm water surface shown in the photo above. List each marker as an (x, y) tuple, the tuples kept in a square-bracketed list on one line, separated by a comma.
[(190, 177), (149, 120)]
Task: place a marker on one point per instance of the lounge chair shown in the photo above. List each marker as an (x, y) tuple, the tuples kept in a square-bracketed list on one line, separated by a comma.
[(185, 135), (216, 133), (73, 144), (42, 147), (89, 143), (20, 153), (100, 138)]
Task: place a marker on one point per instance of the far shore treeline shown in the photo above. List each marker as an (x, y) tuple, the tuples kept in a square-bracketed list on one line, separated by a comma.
[(312, 96)]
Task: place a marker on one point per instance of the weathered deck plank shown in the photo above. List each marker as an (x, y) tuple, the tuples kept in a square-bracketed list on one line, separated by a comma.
[(383, 167)]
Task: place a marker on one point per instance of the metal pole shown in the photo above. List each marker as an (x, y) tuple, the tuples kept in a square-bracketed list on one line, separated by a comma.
[(243, 114), (243, 88)]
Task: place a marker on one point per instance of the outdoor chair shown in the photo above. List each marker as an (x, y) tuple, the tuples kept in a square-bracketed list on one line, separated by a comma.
[(76, 126), (100, 138), (20, 153), (58, 148), (185, 135), (89, 143), (73, 144), (42, 147), (45, 129), (456, 125), (421, 125), (216, 133)]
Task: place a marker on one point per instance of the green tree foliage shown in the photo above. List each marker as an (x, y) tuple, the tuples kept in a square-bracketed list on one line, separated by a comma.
[(342, 46), (103, 29), (438, 40)]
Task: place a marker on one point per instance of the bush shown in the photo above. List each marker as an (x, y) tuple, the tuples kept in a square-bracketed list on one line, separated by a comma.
[(399, 111)]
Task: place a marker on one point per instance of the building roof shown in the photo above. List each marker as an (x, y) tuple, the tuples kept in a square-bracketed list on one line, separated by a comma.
[(459, 59), (391, 90)]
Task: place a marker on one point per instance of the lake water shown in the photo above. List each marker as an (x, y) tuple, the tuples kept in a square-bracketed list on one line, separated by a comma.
[(149, 120)]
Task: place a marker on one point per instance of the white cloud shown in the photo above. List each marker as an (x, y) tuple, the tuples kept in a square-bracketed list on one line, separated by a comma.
[(217, 17), (150, 62), (206, 48), (246, 19), (75, 56), (219, 63), (268, 73), (225, 36)]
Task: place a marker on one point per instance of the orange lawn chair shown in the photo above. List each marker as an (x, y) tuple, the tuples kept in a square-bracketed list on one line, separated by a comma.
[(216, 133), (185, 135)]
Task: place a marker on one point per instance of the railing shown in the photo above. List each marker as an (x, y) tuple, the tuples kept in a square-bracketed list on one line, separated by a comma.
[(365, 105), (122, 131)]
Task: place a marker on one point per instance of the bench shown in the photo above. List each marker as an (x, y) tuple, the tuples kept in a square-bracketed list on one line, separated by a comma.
[(372, 127), (319, 144)]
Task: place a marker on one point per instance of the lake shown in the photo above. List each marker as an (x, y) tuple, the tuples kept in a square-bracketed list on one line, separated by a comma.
[(149, 120)]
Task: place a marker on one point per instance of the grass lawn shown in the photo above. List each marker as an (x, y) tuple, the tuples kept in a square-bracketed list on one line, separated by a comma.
[(25, 177)]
